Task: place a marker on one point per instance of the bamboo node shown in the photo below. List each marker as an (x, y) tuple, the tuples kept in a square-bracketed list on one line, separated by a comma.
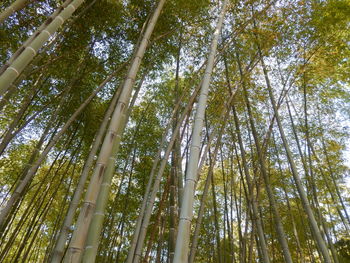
[(15, 70), (72, 6), (185, 218), (47, 32), (32, 49), (99, 213), (60, 18)]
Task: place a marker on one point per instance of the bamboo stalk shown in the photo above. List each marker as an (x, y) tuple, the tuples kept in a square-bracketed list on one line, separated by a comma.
[(111, 140), (28, 52), (186, 214), (13, 8)]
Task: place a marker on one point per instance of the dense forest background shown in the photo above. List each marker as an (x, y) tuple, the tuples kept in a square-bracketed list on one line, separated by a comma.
[(174, 131)]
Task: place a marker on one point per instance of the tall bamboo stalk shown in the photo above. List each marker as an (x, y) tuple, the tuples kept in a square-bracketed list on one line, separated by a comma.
[(35, 34), (315, 229), (217, 132), (175, 167), (157, 180), (111, 140), (13, 8), (26, 180), (147, 199), (58, 250), (102, 199), (253, 201), (29, 52), (204, 196), (186, 214), (279, 227)]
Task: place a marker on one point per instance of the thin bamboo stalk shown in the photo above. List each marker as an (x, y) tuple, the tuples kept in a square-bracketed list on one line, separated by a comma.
[(19, 191), (279, 227), (13, 8), (253, 202), (186, 214), (14, 69), (315, 229), (111, 140), (61, 240), (146, 202)]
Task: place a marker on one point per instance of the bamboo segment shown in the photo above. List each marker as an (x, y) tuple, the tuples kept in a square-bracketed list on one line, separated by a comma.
[(101, 203), (31, 172), (186, 214), (61, 240), (13, 8), (113, 134), (29, 52)]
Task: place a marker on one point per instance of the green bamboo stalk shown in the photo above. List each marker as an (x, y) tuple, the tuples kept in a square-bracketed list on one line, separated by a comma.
[(114, 132), (145, 203), (142, 229), (102, 199), (34, 35), (313, 223), (58, 250), (279, 227), (186, 214), (26, 180), (13, 8), (206, 188), (175, 167), (254, 206), (29, 52)]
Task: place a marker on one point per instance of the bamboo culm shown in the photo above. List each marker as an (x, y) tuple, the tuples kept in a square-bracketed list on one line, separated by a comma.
[(13, 8), (113, 134), (31, 172), (30, 51), (315, 229), (150, 202), (255, 213), (61, 240), (186, 211), (101, 203), (203, 198), (135, 238)]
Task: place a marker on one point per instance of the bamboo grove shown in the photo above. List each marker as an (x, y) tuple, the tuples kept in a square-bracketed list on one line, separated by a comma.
[(174, 131)]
